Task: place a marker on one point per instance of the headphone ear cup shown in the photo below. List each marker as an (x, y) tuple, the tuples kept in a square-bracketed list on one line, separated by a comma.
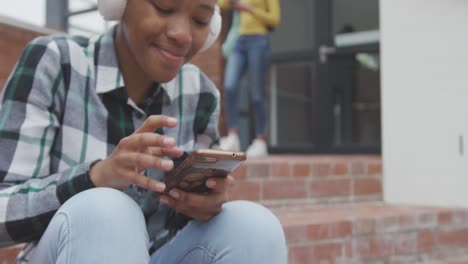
[(215, 29), (112, 9)]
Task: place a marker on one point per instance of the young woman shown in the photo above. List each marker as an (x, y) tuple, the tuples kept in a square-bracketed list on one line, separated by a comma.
[(251, 54), (87, 130)]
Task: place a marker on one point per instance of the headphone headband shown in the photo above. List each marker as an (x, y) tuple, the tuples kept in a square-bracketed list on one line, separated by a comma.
[(114, 9)]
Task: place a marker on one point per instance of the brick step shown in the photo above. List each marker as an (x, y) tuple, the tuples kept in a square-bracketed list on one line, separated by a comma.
[(450, 261), (375, 233), (285, 180)]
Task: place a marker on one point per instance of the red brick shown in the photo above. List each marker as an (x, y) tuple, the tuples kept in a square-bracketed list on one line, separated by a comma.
[(330, 187), (295, 234), (358, 168), (341, 229), (321, 169), (445, 218), (454, 237), (258, 170), (6, 43), (301, 169), (367, 186), (4, 74), (374, 168), (12, 45), (364, 226), (408, 222), (9, 57), (340, 169), (321, 253), (371, 247), (327, 253), (245, 191), (2, 83), (404, 259), (426, 241), (300, 255), (280, 169), (284, 189), (387, 224), (405, 243), (240, 172), (452, 217)]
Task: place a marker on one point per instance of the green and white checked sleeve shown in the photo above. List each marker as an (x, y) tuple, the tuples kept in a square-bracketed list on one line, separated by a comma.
[(30, 112)]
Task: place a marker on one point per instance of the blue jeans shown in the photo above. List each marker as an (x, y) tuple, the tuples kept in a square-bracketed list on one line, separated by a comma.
[(251, 54), (104, 225)]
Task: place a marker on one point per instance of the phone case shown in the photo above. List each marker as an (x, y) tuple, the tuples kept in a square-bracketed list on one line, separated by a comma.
[(191, 174)]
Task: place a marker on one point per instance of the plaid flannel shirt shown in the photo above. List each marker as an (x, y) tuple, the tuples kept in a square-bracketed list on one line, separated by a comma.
[(64, 106)]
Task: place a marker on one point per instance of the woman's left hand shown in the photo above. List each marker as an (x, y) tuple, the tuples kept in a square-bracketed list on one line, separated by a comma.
[(200, 206)]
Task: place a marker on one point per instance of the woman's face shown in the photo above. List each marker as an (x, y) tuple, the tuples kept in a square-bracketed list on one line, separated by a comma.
[(162, 35)]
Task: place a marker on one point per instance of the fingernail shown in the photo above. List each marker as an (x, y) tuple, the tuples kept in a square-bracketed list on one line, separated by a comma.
[(159, 186), (181, 152), (171, 121), (174, 194), (163, 200), (210, 183), (169, 141), (167, 164)]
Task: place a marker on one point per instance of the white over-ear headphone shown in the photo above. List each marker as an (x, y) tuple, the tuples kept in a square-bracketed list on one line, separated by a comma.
[(114, 9)]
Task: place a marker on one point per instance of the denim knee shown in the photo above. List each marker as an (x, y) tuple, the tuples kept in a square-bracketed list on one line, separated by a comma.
[(252, 218), (243, 232), (100, 225), (106, 213), (102, 205), (255, 229)]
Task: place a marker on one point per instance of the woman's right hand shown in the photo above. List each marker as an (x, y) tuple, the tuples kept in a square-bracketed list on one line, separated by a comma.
[(143, 149)]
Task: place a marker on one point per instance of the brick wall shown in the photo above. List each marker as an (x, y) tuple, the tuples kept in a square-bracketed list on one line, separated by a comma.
[(287, 180)]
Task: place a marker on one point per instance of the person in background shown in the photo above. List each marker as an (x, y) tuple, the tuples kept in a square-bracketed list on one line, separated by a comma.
[(88, 128), (251, 54)]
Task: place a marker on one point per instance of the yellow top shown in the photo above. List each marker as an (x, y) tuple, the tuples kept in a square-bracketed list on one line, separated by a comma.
[(266, 13)]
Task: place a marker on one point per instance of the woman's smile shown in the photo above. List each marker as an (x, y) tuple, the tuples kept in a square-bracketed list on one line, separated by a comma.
[(169, 56)]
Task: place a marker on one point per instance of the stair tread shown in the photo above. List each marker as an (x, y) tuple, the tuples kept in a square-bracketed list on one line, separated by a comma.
[(352, 212)]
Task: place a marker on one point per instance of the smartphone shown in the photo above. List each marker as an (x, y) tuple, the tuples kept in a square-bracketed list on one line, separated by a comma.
[(192, 171)]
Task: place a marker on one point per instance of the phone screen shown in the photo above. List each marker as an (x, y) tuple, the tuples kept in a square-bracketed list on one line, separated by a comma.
[(191, 172)]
